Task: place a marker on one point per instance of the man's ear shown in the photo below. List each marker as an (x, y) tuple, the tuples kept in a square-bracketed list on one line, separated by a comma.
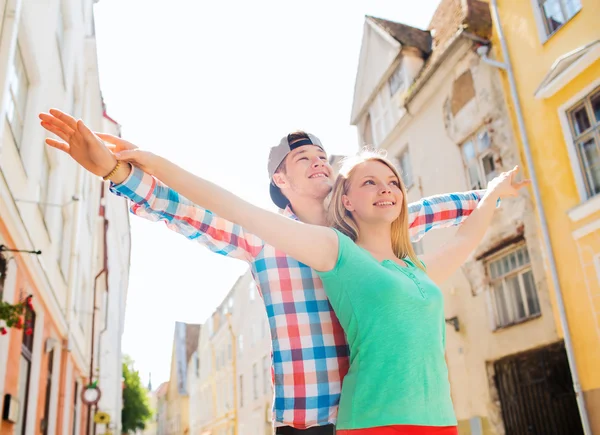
[(280, 180)]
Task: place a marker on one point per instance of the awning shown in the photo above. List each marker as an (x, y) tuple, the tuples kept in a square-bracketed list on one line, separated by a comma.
[(567, 67)]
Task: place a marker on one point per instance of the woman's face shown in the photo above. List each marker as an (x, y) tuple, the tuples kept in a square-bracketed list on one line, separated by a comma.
[(374, 194)]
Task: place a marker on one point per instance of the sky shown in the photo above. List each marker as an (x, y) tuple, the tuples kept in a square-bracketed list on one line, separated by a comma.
[(212, 85)]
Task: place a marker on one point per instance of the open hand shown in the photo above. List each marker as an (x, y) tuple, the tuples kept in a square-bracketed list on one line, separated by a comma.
[(504, 184), (79, 142)]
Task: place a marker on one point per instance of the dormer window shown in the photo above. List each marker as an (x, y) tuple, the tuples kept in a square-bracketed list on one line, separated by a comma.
[(397, 81)]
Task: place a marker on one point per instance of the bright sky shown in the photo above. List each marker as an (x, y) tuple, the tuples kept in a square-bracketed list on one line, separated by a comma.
[(212, 85)]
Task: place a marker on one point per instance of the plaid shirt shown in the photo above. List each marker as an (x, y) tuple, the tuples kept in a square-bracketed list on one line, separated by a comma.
[(309, 349)]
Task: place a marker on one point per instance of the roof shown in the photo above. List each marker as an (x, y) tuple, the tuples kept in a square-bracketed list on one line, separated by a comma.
[(450, 19), (192, 334), (106, 115), (162, 389), (405, 35)]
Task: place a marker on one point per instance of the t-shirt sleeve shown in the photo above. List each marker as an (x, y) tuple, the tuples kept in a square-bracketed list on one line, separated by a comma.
[(345, 245)]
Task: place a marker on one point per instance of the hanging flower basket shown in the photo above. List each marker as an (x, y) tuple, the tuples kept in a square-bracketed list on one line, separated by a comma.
[(14, 315)]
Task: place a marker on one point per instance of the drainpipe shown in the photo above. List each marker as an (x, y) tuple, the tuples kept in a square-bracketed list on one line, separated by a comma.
[(103, 271), (507, 67), (234, 367)]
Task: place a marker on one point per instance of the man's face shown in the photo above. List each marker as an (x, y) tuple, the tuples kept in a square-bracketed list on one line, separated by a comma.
[(307, 173)]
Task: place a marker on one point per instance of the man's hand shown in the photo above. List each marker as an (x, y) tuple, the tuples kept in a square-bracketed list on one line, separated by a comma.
[(81, 144)]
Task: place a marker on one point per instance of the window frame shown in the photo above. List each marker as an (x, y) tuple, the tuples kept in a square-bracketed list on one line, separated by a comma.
[(400, 84), (480, 155), (519, 271), (593, 132), (17, 65), (541, 20), (381, 115), (404, 156)]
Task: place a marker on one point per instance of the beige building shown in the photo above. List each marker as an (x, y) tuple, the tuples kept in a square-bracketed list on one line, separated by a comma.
[(185, 342), (232, 394), (161, 409), (439, 110)]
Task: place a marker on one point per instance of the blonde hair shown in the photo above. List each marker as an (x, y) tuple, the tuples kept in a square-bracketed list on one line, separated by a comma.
[(341, 219)]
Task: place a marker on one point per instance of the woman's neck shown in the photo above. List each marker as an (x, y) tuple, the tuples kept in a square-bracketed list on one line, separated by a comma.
[(377, 239)]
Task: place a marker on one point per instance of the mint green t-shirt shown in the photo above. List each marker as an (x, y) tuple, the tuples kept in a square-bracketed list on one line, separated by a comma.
[(393, 317)]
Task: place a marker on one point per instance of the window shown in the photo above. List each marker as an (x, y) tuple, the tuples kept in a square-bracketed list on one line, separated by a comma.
[(396, 81), (255, 380), (45, 170), (418, 247), (585, 126), (75, 403), (18, 92), (76, 106), (266, 375), (403, 163), (252, 291), (83, 298), (555, 13), (479, 160), (368, 131), (46, 419), (241, 391), (61, 29), (514, 293), (382, 116), (63, 241), (3, 272), (25, 375)]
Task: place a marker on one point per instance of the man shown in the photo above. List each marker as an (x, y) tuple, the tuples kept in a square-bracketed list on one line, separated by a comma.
[(310, 354)]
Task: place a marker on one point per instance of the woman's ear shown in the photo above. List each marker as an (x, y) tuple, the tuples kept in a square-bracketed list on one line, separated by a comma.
[(347, 203)]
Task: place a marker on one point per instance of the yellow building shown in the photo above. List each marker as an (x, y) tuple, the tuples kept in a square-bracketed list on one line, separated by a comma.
[(185, 343), (553, 49)]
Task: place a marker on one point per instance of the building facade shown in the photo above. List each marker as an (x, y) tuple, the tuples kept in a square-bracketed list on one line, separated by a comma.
[(429, 99), (161, 409), (185, 343), (234, 393), (558, 117), (47, 203)]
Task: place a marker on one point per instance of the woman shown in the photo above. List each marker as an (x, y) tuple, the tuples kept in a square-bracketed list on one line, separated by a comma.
[(386, 299)]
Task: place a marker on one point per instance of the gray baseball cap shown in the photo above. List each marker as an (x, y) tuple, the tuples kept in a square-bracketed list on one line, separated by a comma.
[(278, 154)]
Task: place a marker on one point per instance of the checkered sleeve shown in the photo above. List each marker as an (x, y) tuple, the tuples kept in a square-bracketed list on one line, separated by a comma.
[(153, 200), (441, 211)]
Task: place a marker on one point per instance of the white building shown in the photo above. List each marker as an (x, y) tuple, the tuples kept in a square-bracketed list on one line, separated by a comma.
[(438, 109), (234, 388), (47, 203)]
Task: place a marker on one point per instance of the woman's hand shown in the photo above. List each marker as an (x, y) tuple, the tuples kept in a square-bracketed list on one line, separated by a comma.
[(145, 160), (444, 262), (504, 185)]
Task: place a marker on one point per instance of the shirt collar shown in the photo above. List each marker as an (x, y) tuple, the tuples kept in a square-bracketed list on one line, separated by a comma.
[(289, 213)]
